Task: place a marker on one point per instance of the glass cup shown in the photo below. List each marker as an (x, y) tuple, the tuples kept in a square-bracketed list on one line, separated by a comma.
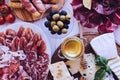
[(72, 48)]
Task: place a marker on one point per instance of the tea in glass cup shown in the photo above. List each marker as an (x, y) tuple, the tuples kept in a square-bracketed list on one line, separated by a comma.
[(72, 48)]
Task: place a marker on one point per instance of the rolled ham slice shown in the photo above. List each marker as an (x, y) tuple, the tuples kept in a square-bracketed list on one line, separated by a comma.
[(39, 5), (30, 8)]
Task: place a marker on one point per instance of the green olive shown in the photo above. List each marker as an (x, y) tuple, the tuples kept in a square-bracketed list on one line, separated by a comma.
[(55, 28), (52, 23), (64, 30), (67, 17), (56, 16), (62, 17), (60, 24)]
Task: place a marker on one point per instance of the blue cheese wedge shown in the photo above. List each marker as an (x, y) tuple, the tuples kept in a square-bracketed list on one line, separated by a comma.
[(104, 45), (59, 71)]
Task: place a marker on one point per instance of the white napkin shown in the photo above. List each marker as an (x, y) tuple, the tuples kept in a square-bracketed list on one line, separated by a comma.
[(104, 45)]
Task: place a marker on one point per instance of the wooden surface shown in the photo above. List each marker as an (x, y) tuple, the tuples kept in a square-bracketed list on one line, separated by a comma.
[(88, 49)]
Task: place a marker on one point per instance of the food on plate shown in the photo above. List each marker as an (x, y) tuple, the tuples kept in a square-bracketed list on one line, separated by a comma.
[(104, 15), (74, 65), (115, 66), (50, 1), (39, 5), (26, 56), (95, 69), (35, 9), (59, 71), (57, 22), (64, 30), (72, 47), (55, 16), (83, 62), (15, 4), (82, 78), (2, 2), (30, 8), (10, 18), (103, 49), (2, 20)]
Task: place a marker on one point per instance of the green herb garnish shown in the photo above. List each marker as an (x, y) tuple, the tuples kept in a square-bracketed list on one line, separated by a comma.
[(102, 63)]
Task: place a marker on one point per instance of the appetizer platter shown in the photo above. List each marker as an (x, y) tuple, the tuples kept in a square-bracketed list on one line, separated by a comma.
[(83, 68), (32, 10), (24, 52)]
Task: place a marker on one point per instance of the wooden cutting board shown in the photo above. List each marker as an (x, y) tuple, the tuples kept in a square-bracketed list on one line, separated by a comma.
[(24, 15), (88, 49)]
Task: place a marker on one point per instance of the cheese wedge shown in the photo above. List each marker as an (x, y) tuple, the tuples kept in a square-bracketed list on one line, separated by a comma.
[(115, 66), (59, 71), (104, 45), (87, 4), (117, 35)]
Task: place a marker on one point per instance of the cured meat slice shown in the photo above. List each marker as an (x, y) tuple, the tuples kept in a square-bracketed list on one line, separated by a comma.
[(23, 75), (11, 32), (20, 31), (39, 5), (30, 8), (23, 43)]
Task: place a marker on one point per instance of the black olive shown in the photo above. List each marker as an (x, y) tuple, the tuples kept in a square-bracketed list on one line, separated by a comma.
[(49, 18), (66, 22), (66, 26), (47, 23), (53, 32), (63, 13), (59, 32), (50, 28), (52, 12)]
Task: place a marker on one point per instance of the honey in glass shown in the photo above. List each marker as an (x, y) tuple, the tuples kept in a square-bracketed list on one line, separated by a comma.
[(72, 48)]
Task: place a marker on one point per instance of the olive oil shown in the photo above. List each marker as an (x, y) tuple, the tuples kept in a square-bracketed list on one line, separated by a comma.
[(72, 48)]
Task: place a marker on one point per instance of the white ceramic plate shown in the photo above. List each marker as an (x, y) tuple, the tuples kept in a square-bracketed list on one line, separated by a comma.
[(69, 11), (36, 29)]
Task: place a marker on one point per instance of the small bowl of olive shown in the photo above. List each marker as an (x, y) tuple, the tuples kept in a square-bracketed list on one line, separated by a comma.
[(58, 22)]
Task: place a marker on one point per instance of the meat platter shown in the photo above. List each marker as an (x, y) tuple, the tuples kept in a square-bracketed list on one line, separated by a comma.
[(32, 10), (24, 53)]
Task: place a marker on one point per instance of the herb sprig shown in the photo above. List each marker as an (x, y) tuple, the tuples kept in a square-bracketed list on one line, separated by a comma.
[(102, 63)]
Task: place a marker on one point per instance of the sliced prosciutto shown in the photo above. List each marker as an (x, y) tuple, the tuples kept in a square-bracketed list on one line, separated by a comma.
[(22, 55), (30, 8), (101, 12), (39, 5)]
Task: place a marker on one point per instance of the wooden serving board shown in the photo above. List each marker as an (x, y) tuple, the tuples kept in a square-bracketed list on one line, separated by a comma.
[(88, 49), (24, 15)]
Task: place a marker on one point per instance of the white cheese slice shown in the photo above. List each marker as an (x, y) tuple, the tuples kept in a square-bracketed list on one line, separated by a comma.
[(115, 66), (117, 35), (59, 71), (104, 45), (91, 67)]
